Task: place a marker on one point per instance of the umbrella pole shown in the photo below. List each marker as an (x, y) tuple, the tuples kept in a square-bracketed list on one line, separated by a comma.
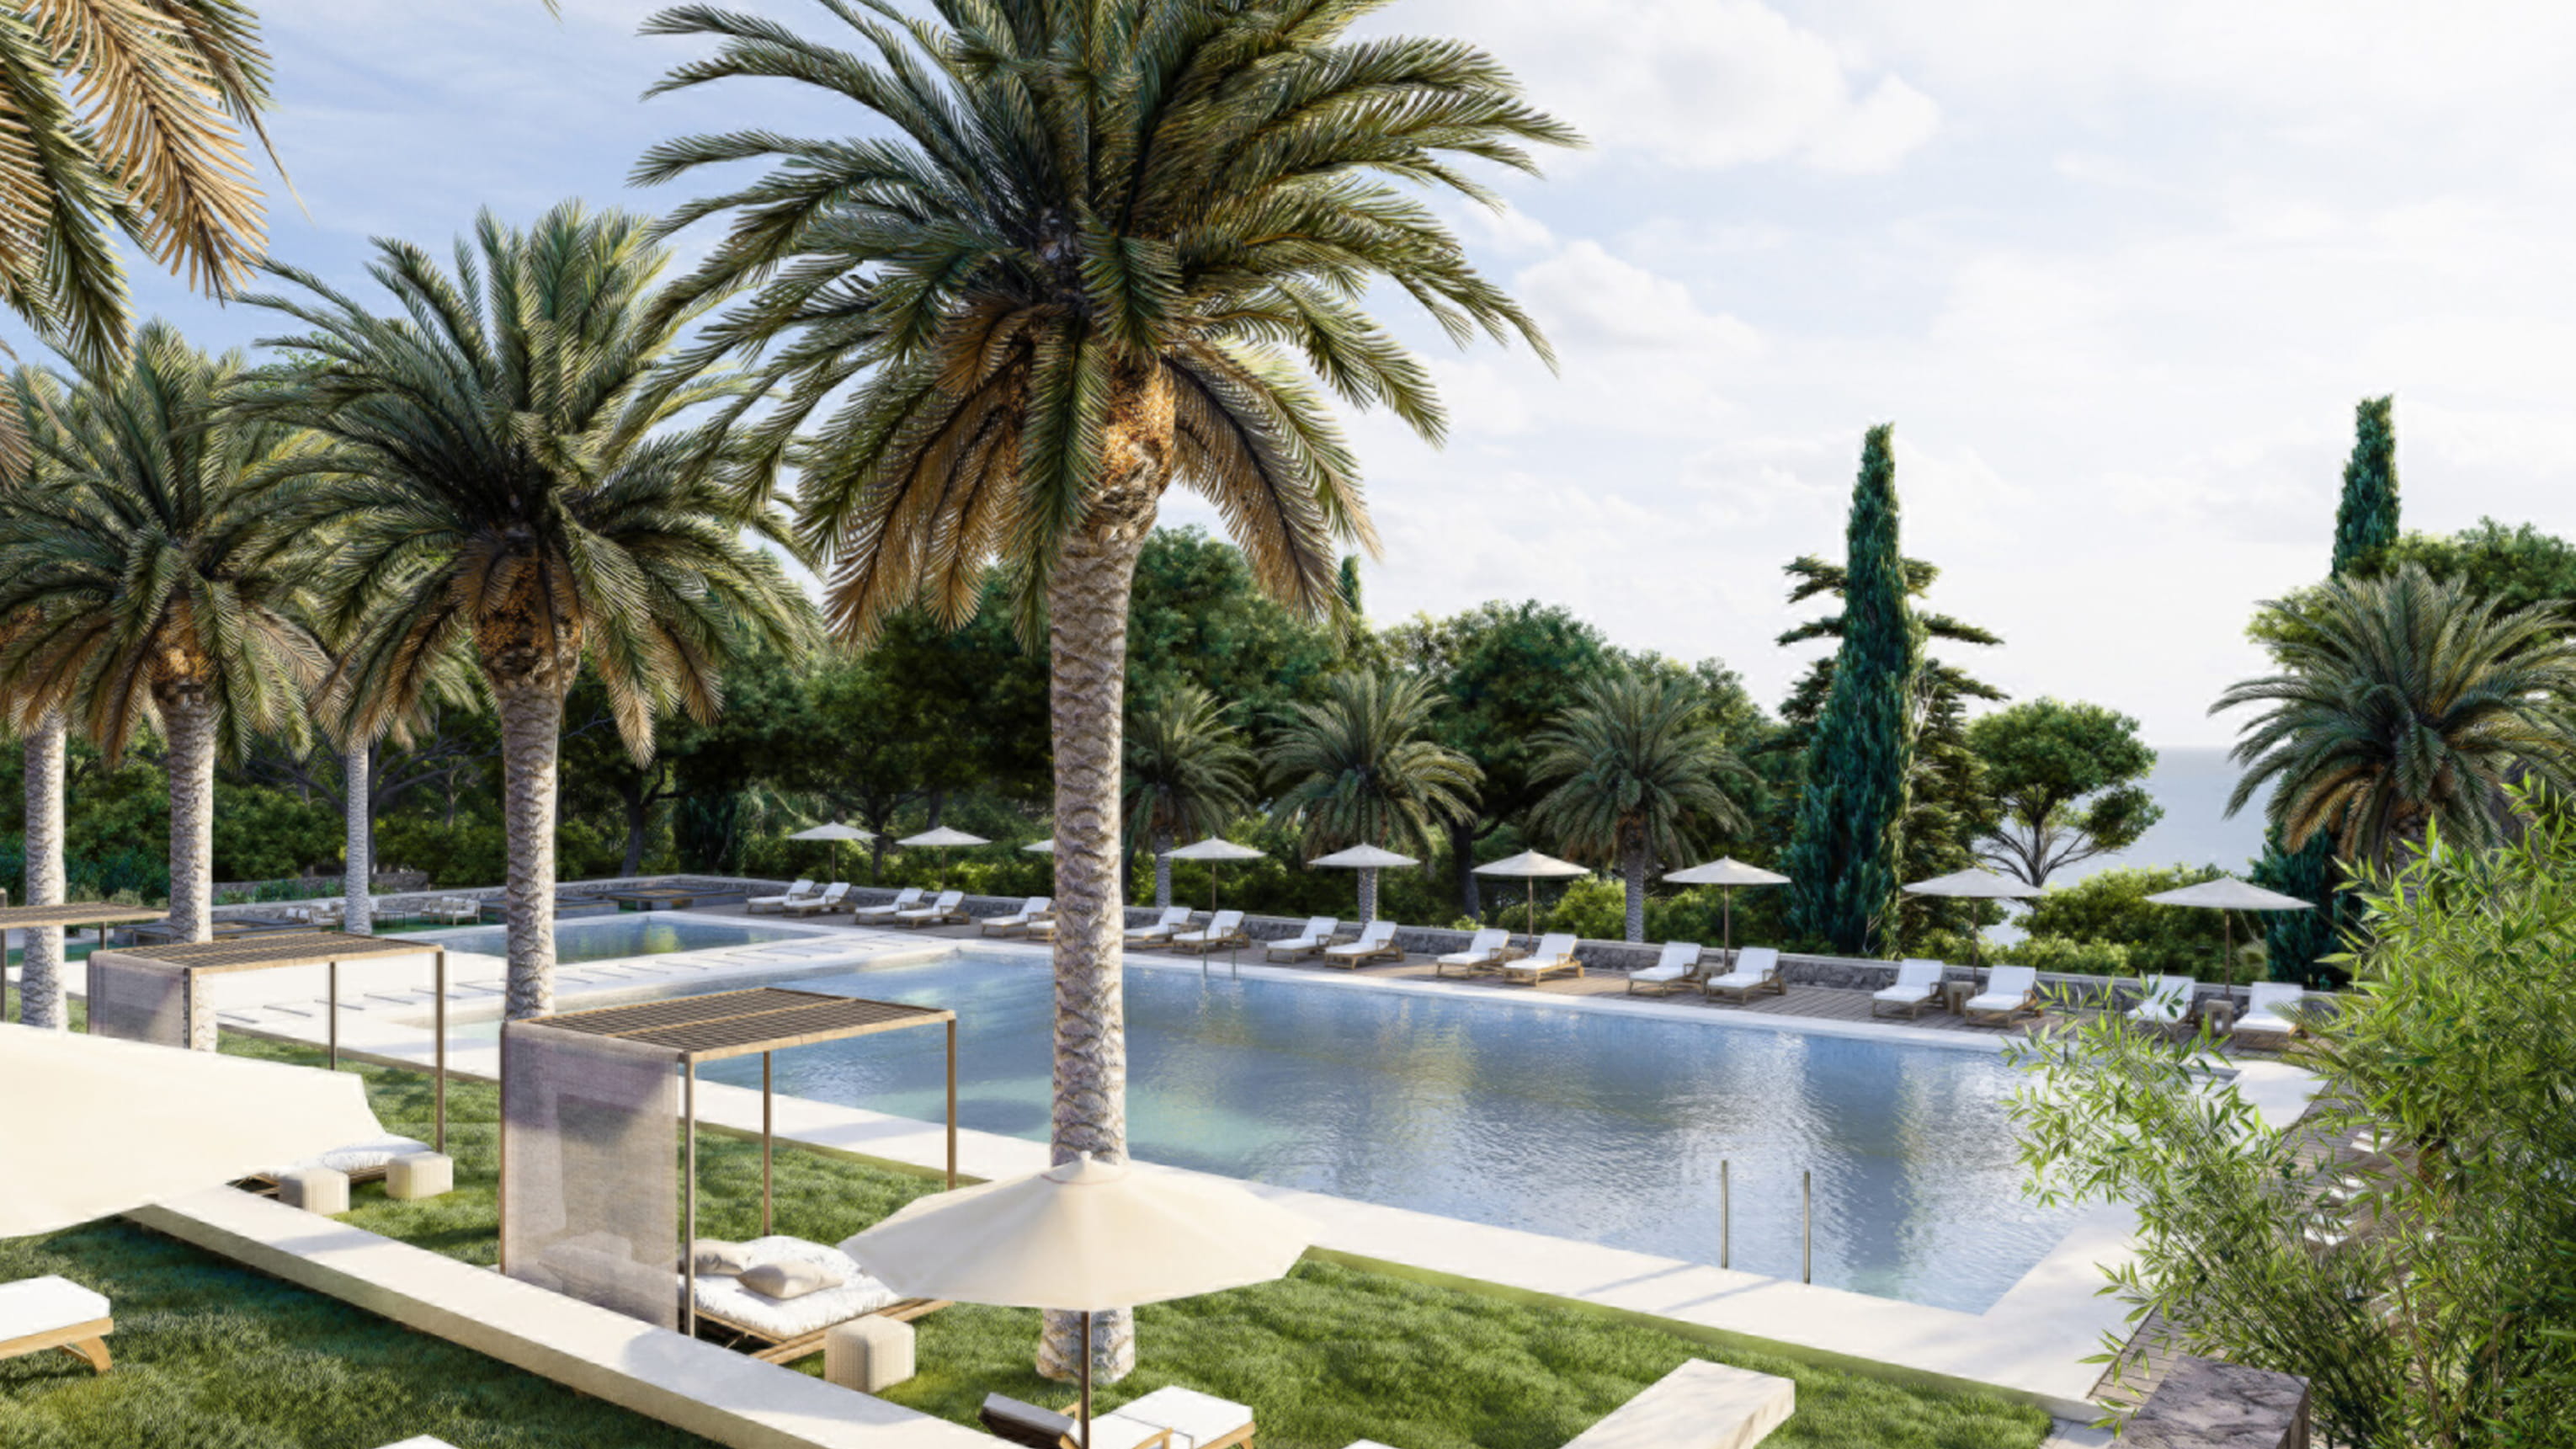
[(1727, 894), (1531, 920), (1086, 1379)]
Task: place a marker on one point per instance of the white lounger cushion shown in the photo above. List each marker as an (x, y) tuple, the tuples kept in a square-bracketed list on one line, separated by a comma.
[(1680, 959), (2267, 1008), (726, 1298), (1377, 937), (1193, 1417), (1753, 966), (357, 1157), (41, 1305), (796, 892), (2007, 989), (1915, 980), (947, 902), (1480, 949), (905, 899), (1553, 950), (1221, 926), (1174, 917), (2168, 999)]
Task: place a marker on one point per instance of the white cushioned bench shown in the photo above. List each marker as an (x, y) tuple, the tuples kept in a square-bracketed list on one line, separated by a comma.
[(1700, 1405), (41, 1313)]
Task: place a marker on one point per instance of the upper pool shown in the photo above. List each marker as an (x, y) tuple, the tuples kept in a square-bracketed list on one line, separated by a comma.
[(1602, 1126), (606, 938)]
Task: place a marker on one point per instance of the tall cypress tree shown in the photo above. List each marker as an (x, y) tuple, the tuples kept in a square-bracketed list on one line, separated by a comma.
[(1842, 860), (2365, 522)]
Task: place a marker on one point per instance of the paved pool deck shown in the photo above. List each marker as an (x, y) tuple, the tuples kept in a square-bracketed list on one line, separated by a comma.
[(2030, 1343)]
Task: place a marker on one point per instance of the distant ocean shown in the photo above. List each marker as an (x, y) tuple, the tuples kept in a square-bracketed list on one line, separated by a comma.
[(2192, 785)]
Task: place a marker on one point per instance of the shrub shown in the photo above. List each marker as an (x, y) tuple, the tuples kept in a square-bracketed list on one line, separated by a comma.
[(263, 833), (2111, 908), (2070, 958)]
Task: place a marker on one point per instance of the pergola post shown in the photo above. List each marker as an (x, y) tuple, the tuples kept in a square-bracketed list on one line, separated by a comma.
[(952, 1104), (689, 1198), (439, 1026), (768, 1139)]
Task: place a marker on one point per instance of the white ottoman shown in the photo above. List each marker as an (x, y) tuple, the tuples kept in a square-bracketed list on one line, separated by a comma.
[(867, 1354), (423, 1174), (316, 1190)]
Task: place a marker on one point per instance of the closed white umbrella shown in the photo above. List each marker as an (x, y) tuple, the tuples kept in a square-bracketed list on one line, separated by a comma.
[(1975, 884), (1530, 865), (1083, 1237), (100, 1125), (1368, 860), (835, 832), (2224, 895), (1726, 873), (943, 839)]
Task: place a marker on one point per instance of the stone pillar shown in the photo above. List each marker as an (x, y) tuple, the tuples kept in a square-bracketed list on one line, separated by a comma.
[(2203, 1403)]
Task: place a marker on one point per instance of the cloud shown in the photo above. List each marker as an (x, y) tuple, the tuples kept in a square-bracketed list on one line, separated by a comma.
[(1585, 297), (1705, 84)]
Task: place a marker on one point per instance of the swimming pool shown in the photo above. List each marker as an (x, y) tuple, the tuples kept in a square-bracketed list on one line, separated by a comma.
[(1600, 1126), (640, 934)]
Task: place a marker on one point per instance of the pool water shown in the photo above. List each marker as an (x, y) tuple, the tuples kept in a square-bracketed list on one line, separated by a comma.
[(638, 934), (1591, 1125)]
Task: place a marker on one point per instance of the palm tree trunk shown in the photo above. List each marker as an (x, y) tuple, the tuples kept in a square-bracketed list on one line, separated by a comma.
[(1633, 871), (40, 975), (531, 735), (357, 850), (1162, 870), (1087, 603), (189, 721), (1462, 850)]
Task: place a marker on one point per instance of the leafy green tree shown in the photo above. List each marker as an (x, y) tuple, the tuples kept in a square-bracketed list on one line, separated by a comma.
[(2110, 908), (2366, 522), (1842, 862), (1507, 671), (2515, 567), (262, 834), (2419, 1275), (499, 474), (1638, 771), (1199, 617), (1188, 773), (1064, 272), (151, 582), (1360, 767), (2404, 703), (2066, 777)]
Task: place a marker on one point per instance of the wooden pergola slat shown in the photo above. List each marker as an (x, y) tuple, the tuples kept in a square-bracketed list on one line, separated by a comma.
[(92, 913)]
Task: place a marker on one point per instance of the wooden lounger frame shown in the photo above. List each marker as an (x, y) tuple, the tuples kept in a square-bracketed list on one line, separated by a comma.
[(1005, 925), (1913, 1009), (1234, 940), (1488, 966), (769, 1348), (2028, 1003), (1296, 948), (1568, 965), (1388, 952), (1772, 981), (84, 1341)]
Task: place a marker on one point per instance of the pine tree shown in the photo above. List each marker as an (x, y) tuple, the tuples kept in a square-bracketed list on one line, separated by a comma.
[(1842, 861), (2365, 523)]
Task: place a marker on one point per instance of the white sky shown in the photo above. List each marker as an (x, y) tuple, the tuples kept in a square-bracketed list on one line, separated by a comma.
[(2116, 271)]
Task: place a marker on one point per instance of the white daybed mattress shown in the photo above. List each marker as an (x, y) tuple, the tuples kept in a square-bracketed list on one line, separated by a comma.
[(723, 1296)]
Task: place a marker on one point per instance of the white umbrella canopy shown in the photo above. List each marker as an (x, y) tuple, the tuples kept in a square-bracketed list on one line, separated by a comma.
[(103, 1125), (835, 832), (1533, 867), (943, 838), (1216, 853), (1727, 873), (1368, 860), (2224, 895), (1974, 884), (1040, 847), (1080, 1238)]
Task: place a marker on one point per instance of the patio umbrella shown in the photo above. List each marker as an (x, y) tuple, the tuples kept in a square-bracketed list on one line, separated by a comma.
[(941, 839), (1726, 873), (1368, 860), (1083, 1237), (1046, 848), (1216, 852), (1974, 884), (2224, 895), (1533, 867), (835, 832), (102, 1125)]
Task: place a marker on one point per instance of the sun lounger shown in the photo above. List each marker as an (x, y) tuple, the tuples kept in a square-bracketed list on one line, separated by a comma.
[(367, 1161), (1376, 943), (948, 909), (2271, 1009), (1317, 935), (823, 905), (1193, 1419), (2010, 991), (41, 1313), (1031, 912), (1484, 953), (1554, 957), (1224, 929), (1757, 968), (1672, 971), (2167, 1002), (782, 1330), (1918, 982), (1161, 932), (904, 900), (1013, 1422), (776, 905)]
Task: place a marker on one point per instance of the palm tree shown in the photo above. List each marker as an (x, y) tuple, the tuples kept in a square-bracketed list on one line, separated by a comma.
[(2406, 704), (1359, 767), (41, 999), (502, 477), (123, 116), (1188, 773), (1072, 272), (1638, 769), (156, 581)]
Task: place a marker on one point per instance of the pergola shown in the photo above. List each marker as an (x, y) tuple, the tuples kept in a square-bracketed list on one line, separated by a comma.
[(189, 961), (693, 1030), (100, 914)]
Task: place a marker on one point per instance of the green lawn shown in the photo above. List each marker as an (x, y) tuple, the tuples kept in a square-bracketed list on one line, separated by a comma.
[(1331, 1354)]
